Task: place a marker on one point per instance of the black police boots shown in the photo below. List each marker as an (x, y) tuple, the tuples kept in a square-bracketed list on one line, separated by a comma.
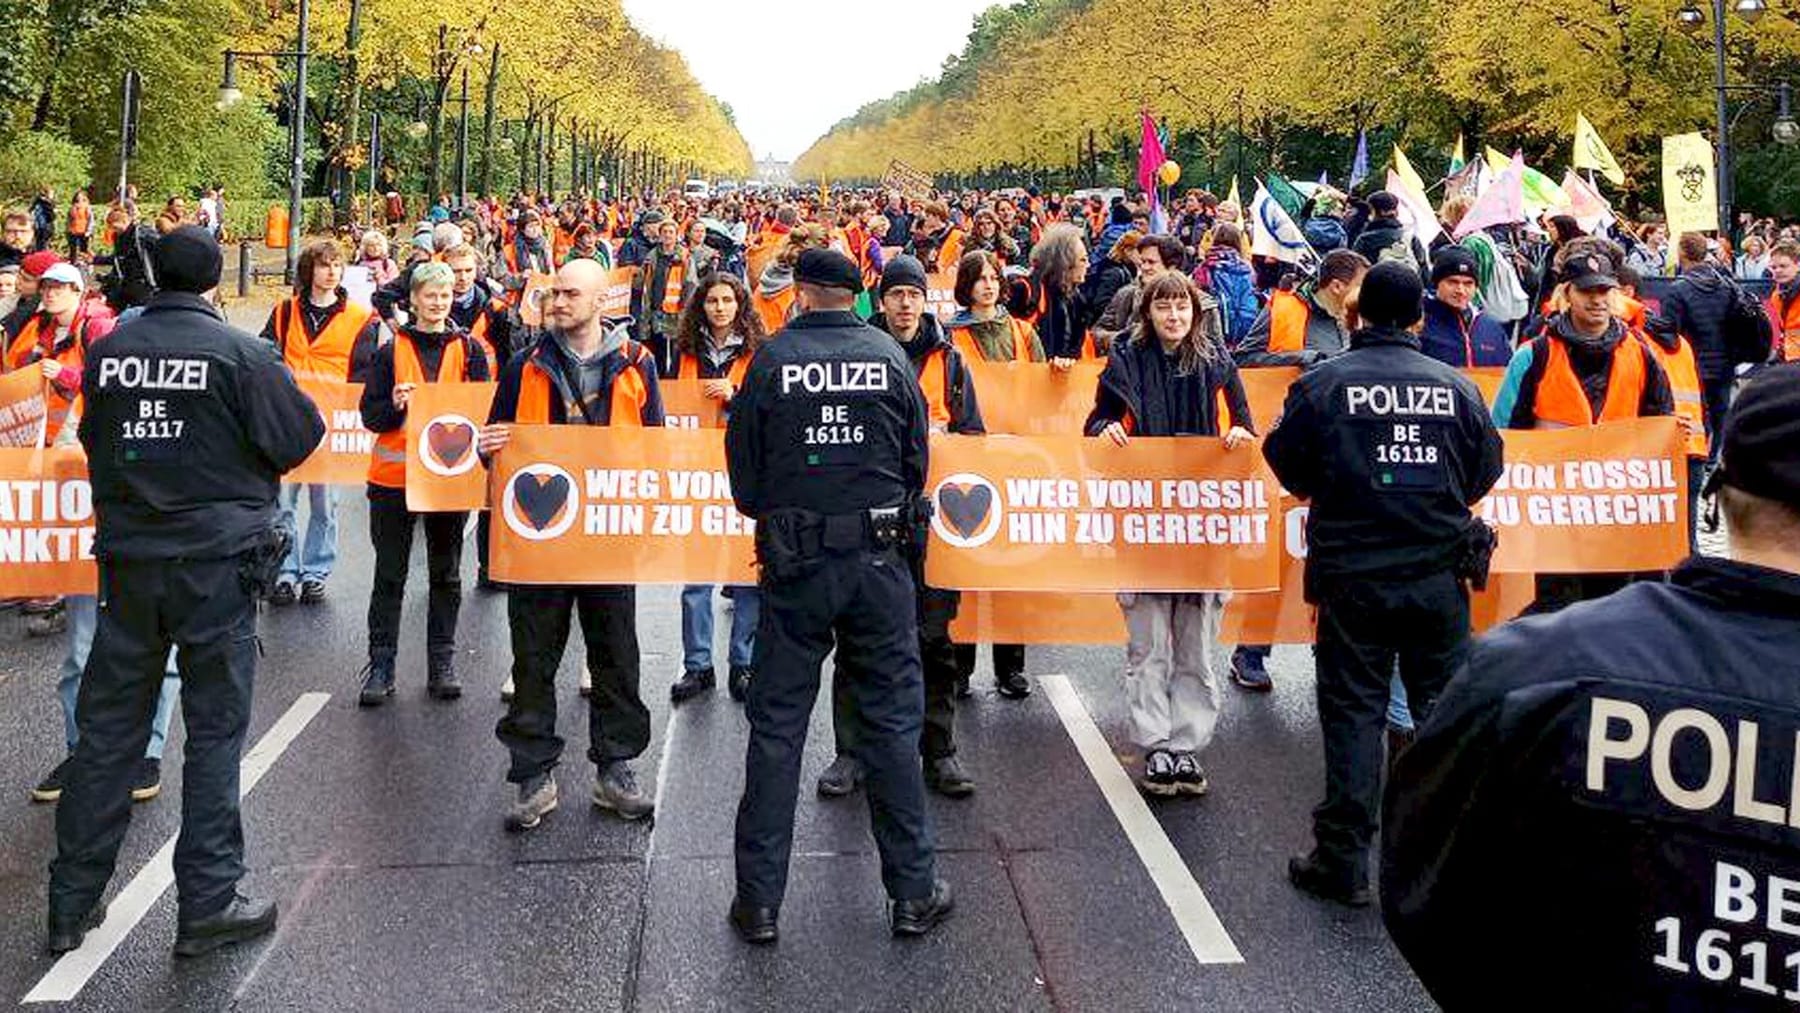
[(440, 678), (378, 684), (67, 933), (1326, 880), (755, 925), (738, 683), (917, 917), (239, 921), (693, 682)]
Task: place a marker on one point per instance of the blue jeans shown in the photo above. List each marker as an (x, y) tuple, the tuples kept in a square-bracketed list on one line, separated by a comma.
[(312, 556), (83, 616), (1399, 713), (697, 625)]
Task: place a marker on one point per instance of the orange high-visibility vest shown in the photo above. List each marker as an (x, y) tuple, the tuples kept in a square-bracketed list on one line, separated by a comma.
[(1288, 314), (29, 348), (689, 366), (950, 252), (671, 295), (1562, 402), (934, 383), (773, 310), (478, 330), (387, 459), (629, 393), (327, 355), (1787, 326), (1684, 383), (964, 340)]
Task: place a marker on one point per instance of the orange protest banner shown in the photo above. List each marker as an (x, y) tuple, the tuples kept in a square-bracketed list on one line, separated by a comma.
[(46, 523), (1068, 513), (22, 407), (586, 505), (1027, 617), (1266, 389), (343, 455), (686, 406), (615, 298), (534, 298), (940, 295), (1032, 399), (1610, 498), (443, 470)]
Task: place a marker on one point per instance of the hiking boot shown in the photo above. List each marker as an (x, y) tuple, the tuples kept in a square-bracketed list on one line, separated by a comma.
[(377, 684), (617, 789), (692, 683), (945, 776), (537, 799), (146, 781), (284, 593), (67, 933), (1012, 685), (1314, 875), (1190, 779), (1159, 773), (917, 917), (1248, 671), (242, 920), (440, 679), (755, 925), (738, 683), (51, 787), (312, 591), (841, 778)]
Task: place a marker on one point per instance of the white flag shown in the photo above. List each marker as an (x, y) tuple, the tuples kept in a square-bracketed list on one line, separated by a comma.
[(1276, 234), (1415, 209)]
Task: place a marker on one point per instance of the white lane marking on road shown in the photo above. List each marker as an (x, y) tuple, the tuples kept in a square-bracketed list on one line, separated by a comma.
[(70, 974), (662, 783), (1194, 915)]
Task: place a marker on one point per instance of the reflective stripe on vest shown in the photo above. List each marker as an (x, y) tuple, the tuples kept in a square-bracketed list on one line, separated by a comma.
[(1684, 384), (628, 395), (327, 355), (689, 366), (1288, 315), (1561, 400), (387, 459), (934, 383), (964, 340), (27, 349)]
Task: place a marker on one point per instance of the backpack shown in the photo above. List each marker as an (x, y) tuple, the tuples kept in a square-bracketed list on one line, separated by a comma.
[(1749, 333), (1239, 303)]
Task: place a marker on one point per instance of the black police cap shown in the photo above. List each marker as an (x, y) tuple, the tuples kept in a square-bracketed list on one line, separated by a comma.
[(827, 269)]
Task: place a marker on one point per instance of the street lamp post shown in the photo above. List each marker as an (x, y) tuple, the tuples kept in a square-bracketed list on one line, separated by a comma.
[(1690, 18), (230, 94)]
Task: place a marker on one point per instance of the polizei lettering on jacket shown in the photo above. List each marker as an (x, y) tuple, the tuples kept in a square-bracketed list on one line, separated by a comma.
[(1400, 399), (1696, 761), (834, 377), (135, 373)]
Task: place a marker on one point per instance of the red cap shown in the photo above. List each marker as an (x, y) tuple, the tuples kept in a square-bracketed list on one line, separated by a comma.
[(37, 263)]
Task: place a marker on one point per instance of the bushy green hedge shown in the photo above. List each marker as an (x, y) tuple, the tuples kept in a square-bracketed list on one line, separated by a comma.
[(30, 159)]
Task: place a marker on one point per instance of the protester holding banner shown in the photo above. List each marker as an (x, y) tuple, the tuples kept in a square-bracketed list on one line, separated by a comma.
[(525, 254), (1169, 379), (1566, 809), (827, 452), (323, 337), (1586, 368), (578, 373), (717, 339), (430, 349), (1392, 449)]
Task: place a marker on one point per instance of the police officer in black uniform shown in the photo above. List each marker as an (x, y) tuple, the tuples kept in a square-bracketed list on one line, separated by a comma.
[(826, 450), (189, 425), (1392, 448), (1601, 812)]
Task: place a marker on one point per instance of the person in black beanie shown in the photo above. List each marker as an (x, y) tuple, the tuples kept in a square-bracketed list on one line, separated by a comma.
[(1392, 449), (189, 424)]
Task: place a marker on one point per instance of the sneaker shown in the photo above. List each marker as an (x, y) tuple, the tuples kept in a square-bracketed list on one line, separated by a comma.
[(693, 682), (1159, 773), (537, 799), (377, 684), (585, 683), (146, 781), (738, 684), (47, 624), (51, 787), (841, 778), (283, 594), (506, 690), (440, 679), (617, 789), (1013, 685), (1247, 671), (945, 776), (1190, 779), (1314, 875), (312, 591)]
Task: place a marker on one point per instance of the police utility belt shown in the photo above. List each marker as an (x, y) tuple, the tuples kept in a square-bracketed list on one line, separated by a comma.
[(791, 543)]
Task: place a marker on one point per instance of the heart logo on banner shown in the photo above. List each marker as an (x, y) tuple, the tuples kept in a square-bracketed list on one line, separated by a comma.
[(541, 497), (965, 506), (450, 441)]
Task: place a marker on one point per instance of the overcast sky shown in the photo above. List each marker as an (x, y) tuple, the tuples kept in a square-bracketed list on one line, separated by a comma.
[(791, 68)]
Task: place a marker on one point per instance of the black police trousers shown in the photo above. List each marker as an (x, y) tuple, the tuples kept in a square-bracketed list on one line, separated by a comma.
[(391, 531), (203, 608), (862, 603), (1364, 625), (938, 658), (618, 721)]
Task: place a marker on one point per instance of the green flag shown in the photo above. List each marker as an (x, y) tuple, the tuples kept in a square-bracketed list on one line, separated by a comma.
[(1290, 199)]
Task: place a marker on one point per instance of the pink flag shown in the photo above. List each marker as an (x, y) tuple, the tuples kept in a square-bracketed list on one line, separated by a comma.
[(1150, 155), (1503, 203)]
